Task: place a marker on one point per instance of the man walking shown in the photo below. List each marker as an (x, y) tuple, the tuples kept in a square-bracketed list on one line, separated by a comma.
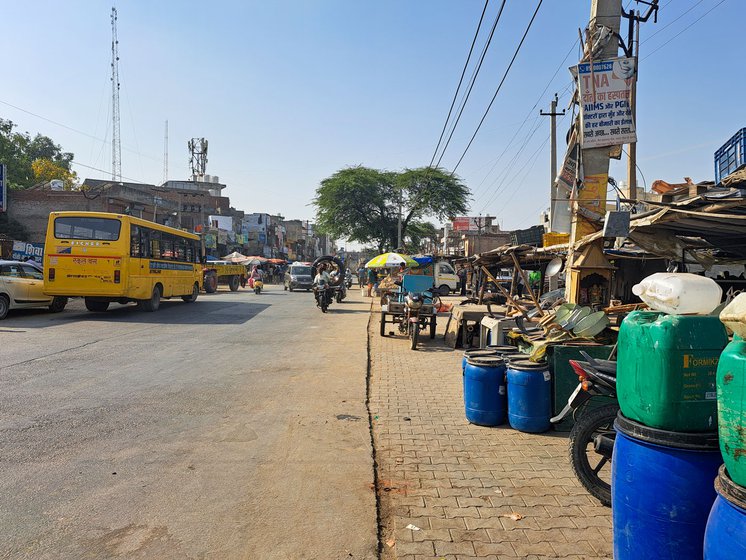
[(462, 279)]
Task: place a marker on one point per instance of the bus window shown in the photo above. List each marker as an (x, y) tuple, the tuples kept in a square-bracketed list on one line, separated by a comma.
[(135, 246), (102, 229), (167, 246), (155, 244), (181, 245)]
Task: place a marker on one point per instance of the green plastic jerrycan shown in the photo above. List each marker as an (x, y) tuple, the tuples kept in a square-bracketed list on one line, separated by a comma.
[(666, 370), (731, 390)]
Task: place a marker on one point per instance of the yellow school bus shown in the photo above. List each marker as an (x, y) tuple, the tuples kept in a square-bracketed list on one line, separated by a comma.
[(114, 257)]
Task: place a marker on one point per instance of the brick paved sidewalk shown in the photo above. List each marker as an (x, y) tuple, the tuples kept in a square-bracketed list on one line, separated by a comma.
[(460, 483)]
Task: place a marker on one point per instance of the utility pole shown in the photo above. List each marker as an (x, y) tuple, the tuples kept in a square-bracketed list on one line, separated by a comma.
[(116, 144), (605, 21), (553, 190), (165, 155), (398, 224)]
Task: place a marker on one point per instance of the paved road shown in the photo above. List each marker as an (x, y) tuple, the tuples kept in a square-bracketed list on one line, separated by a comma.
[(232, 428)]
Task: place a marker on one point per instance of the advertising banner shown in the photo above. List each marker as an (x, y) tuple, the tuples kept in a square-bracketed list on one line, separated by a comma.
[(467, 223), (210, 241), (605, 110), (23, 251)]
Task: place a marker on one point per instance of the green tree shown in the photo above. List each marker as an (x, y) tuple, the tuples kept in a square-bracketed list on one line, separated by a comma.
[(18, 151), (362, 204)]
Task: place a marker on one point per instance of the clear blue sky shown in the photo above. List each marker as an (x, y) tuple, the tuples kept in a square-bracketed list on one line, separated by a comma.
[(287, 92)]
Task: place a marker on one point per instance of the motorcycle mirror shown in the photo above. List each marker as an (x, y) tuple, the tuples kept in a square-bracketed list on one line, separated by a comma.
[(554, 267)]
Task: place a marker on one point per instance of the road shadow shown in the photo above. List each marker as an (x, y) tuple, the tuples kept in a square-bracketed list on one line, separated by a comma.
[(339, 310), (202, 312)]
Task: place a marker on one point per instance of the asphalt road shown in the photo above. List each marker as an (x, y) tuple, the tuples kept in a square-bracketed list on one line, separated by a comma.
[(234, 427)]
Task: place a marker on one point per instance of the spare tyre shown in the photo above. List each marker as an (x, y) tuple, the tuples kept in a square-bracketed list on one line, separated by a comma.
[(336, 261)]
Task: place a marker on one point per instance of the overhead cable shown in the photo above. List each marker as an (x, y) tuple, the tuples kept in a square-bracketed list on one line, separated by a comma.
[(460, 81), (497, 91)]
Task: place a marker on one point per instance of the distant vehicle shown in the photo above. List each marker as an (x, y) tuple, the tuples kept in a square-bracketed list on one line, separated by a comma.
[(298, 276), (223, 272), (446, 279), (22, 287), (108, 258)]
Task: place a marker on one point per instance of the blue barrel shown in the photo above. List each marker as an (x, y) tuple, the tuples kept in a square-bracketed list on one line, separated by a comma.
[(725, 535), (484, 390), (475, 352), (661, 491), (529, 396)]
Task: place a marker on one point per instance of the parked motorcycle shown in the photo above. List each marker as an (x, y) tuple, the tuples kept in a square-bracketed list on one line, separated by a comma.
[(591, 442), (348, 278)]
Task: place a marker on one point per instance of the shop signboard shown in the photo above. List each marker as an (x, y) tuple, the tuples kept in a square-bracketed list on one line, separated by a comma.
[(23, 251), (605, 109)]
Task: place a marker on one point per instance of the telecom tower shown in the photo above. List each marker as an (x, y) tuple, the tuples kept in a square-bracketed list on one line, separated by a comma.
[(116, 144), (198, 158), (165, 154)]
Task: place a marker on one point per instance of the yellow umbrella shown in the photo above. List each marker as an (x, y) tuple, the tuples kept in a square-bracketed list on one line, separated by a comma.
[(387, 260)]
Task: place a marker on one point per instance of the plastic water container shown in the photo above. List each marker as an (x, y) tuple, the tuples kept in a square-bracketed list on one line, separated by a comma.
[(667, 368), (679, 293), (731, 393), (661, 491), (474, 353), (733, 315), (485, 399), (529, 396), (725, 535)]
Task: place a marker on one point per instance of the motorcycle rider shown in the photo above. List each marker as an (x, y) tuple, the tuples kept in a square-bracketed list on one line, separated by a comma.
[(256, 274)]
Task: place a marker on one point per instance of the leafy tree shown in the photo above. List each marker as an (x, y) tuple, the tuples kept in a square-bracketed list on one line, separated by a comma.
[(362, 204), (420, 235), (19, 150), (47, 170)]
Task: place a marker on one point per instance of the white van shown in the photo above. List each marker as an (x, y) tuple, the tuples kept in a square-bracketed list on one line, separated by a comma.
[(446, 279)]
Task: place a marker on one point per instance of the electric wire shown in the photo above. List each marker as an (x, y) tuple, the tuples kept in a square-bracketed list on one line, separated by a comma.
[(670, 23), (683, 30), (473, 81), (499, 87), (460, 81)]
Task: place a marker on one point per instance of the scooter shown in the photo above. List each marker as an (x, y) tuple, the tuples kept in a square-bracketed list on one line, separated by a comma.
[(591, 442), (256, 284)]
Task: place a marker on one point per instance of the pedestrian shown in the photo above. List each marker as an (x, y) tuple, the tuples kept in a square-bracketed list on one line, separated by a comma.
[(372, 279), (462, 279), (361, 276)]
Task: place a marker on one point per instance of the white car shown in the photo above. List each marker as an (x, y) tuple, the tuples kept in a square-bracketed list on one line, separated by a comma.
[(22, 286)]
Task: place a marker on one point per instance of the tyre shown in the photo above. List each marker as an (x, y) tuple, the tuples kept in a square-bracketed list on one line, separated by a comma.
[(444, 290), (383, 324), (153, 303), (414, 335), (257, 290), (593, 470), (291, 288), (233, 283), (58, 304), (339, 297), (4, 306), (193, 297), (96, 306), (211, 282), (433, 326)]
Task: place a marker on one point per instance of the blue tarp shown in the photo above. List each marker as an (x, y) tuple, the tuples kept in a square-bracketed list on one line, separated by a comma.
[(423, 260)]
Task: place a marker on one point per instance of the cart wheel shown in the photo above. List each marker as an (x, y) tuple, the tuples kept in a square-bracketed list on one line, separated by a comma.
[(383, 323), (433, 326)]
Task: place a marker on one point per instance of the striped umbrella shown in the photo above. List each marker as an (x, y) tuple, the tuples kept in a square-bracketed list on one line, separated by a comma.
[(387, 260)]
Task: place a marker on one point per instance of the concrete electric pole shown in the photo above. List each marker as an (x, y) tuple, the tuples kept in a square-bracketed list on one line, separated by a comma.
[(553, 191)]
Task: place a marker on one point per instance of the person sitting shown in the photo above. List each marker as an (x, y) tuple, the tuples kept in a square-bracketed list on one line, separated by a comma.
[(322, 278), (256, 274)]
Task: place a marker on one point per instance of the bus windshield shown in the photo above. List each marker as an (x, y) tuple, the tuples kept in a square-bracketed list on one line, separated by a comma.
[(102, 229)]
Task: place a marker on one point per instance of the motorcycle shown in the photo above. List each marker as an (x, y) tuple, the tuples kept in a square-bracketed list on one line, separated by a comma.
[(591, 442), (324, 295), (340, 293), (348, 279), (419, 313)]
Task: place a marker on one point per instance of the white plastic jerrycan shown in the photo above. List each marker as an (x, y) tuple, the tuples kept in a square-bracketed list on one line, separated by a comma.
[(679, 293)]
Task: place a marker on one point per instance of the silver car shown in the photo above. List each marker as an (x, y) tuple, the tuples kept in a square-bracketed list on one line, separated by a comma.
[(298, 277)]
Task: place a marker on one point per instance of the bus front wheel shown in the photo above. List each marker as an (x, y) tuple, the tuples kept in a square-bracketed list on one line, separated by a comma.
[(153, 303), (96, 306)]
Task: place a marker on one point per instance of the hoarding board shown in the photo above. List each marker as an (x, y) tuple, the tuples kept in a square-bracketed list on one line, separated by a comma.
[(605, 109), (466, 223), (23, 251)]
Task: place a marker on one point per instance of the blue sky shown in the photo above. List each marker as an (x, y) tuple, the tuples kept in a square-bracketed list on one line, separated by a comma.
[(287, 92)]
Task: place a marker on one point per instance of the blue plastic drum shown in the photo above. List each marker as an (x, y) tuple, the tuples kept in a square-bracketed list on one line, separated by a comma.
[(529, 396), (661, 491), (725, 534), (474, 353), (485, 400)]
